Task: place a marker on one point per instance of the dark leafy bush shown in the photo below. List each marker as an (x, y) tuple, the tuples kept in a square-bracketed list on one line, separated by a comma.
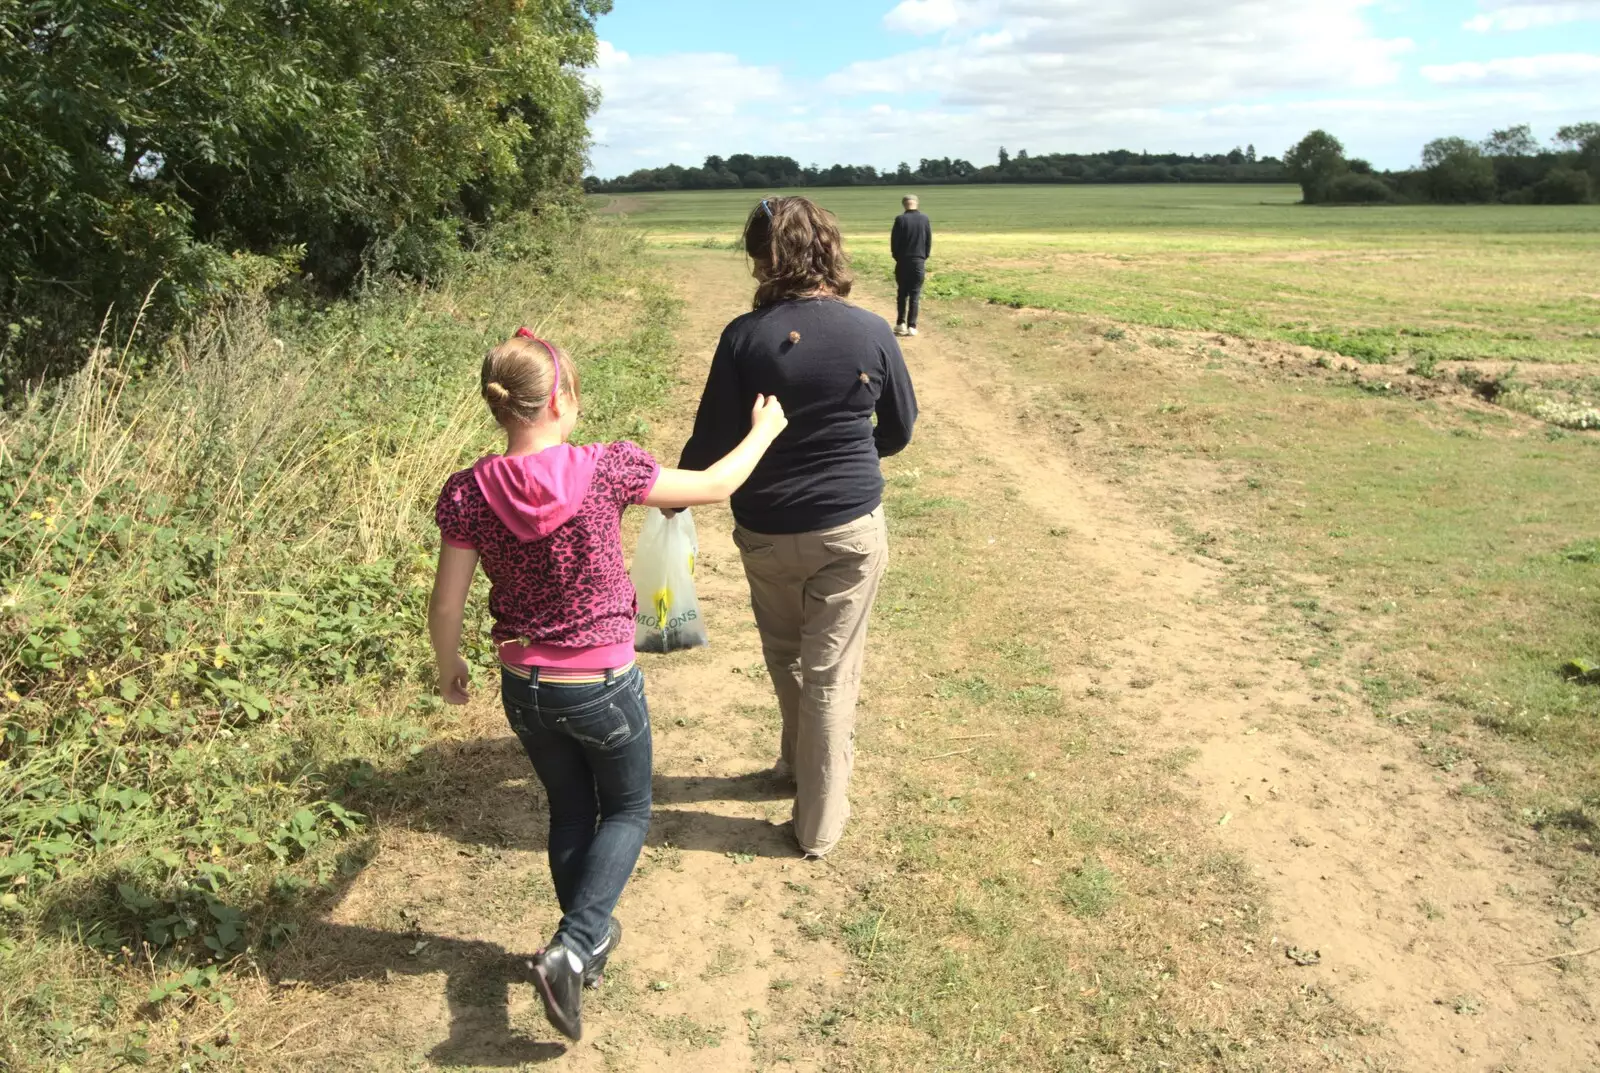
[(1355, 188), (1563, 186), (1457, 171)]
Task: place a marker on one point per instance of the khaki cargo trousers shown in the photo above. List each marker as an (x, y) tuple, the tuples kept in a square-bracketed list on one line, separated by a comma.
[(812, 594)]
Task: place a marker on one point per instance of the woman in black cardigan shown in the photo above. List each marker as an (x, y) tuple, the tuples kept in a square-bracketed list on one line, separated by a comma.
[(810, 519)]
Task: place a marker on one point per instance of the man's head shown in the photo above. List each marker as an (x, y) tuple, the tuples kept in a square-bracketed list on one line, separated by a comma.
[(910, 202)]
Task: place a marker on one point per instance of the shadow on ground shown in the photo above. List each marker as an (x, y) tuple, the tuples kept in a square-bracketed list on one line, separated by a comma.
[(479, 977), (482, 793)]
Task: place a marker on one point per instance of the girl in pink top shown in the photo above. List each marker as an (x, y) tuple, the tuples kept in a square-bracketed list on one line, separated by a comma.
[(544, 521)]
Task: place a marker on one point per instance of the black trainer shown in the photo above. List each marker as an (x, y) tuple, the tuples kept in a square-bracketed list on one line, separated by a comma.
[(595, 974), (558, 975)]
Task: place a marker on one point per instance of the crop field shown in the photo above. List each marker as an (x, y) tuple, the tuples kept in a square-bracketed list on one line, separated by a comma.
[(1383, 283)]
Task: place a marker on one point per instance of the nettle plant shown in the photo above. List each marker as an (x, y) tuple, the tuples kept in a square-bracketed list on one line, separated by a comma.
[(192, 606)]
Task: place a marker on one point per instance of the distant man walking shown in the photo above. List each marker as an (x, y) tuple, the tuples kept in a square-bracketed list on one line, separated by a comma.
[(910, 242)]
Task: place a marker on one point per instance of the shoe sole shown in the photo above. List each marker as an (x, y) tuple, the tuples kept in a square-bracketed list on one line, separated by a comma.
[(552, 1010)]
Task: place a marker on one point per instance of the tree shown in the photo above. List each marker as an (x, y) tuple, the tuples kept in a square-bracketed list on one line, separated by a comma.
[(147, 144), (1457, 171), (1584, 139), (1576, 135), (1120, 165), (1314, 162), (1513, 141), (1005, 158), (1250, 153)]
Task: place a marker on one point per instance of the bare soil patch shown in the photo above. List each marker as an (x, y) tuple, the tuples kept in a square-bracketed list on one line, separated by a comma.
[(1417, 902), (620, 205)]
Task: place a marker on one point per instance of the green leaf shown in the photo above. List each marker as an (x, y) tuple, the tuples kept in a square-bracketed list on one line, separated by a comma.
[(18, 864)]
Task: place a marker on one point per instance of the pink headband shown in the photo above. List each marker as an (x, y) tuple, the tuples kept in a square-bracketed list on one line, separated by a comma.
[(555, 360)]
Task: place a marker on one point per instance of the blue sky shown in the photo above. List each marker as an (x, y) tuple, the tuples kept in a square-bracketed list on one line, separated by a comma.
[(879, 81)]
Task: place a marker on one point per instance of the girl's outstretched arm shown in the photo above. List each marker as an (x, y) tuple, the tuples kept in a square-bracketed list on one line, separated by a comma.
[(679, 488), (446, 608)]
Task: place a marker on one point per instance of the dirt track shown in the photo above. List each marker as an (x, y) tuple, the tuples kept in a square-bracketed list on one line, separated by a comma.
[(1348, 831)]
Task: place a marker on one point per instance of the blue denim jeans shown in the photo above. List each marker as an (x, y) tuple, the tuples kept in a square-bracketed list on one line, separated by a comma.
[(590, 746)]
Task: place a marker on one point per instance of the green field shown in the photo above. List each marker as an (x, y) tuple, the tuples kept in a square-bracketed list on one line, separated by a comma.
[(1393, 283)]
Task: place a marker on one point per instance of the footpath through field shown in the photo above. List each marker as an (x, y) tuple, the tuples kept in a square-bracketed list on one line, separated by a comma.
[(1347, 832), (1096, 812)]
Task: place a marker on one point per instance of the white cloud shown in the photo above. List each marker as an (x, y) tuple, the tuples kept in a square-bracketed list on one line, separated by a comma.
[(658, 109), (925, 16), (1078, 76), (1554, 68), (1513, 15), (1082, 56)]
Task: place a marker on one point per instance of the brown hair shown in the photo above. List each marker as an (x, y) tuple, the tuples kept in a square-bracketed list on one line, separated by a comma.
[(798, 251), (519, 375)]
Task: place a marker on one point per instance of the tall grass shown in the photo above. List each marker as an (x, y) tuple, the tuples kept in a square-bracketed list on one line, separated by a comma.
[(211, 630)]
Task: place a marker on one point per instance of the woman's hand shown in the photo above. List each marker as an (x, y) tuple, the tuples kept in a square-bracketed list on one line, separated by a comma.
[(455, 678), (768, 417)]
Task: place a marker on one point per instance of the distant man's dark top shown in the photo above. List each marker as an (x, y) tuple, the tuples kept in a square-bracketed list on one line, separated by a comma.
[(912, 237), (823, 470)]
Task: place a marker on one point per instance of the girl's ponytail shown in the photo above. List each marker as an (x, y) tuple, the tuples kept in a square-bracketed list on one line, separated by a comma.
[(522, 377)]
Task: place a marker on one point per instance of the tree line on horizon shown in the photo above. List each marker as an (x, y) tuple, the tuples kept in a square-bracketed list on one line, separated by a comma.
[(747, 171), (1509, 166)]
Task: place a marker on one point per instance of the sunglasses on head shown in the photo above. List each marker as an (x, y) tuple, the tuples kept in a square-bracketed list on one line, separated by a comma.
[(766, 208)]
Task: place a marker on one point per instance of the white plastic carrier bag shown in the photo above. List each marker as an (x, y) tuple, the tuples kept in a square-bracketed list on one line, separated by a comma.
[(663, 577)]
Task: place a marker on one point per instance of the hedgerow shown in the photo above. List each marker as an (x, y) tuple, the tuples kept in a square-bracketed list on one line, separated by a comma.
[(213, 577)]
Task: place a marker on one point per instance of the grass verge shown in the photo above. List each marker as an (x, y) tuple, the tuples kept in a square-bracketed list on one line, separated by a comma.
[(214, 584)]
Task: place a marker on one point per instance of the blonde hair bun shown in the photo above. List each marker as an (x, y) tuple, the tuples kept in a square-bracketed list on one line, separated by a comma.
[(521, 378)]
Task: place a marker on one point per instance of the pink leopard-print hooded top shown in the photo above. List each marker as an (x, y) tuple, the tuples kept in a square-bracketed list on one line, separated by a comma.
[(548, 530)]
